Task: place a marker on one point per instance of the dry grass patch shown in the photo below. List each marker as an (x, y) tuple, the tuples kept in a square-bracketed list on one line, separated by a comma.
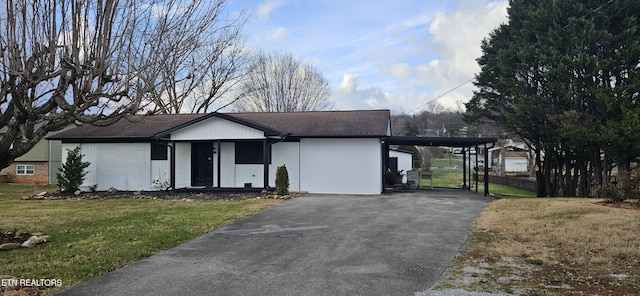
[(552, 246)]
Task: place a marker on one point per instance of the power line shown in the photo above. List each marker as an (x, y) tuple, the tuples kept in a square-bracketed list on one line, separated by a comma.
[(441, 95), (471, 79)]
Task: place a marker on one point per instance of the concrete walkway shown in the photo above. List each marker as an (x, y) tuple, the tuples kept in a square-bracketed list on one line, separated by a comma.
[(396, 244)]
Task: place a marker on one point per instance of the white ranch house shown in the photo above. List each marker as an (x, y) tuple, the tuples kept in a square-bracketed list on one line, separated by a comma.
[(324, 152), (341, 152)]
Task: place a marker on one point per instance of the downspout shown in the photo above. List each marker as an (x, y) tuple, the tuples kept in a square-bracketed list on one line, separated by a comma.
[(265, 154)]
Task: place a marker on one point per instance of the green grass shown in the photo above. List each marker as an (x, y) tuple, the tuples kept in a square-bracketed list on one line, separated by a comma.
[(444, 162), (93, 237), (506, 191), (445, 176)]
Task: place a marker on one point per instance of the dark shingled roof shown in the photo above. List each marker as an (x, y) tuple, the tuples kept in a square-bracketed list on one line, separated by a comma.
[(124, 129), (363, 123)]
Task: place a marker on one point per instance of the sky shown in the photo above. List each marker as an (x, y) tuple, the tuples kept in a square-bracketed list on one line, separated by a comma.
[(394, 54)]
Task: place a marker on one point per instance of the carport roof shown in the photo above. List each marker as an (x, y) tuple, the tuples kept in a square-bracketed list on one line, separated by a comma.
[(439, 141)]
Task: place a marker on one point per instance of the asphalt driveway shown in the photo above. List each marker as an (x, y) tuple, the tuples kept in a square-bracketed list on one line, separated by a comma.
[(396, 244)]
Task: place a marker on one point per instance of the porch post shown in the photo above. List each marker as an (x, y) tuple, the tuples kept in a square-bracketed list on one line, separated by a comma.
[(173, 165), (219, 157), (265, 158)]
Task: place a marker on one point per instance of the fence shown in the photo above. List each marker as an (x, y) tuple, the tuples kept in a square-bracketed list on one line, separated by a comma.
[(520, 183)]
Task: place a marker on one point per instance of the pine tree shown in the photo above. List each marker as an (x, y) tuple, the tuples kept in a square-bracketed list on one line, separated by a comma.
[(72, 173)]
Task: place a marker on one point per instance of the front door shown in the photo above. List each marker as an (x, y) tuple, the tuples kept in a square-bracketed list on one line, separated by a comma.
[(202, 164)]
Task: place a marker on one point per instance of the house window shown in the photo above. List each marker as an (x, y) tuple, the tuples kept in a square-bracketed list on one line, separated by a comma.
[(25, 169), (251, 152), (158, 151)]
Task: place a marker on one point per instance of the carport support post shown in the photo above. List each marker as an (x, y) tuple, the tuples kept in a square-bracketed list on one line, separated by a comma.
[(464, 167), (385, 164), (486, 170), (475, 169)]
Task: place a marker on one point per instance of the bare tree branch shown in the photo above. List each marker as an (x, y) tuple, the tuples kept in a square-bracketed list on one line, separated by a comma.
[(87, 61), (281, 82)]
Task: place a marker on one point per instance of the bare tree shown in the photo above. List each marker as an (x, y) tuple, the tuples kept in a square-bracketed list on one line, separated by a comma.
[(211, 60), (280, 82), (83, 61)]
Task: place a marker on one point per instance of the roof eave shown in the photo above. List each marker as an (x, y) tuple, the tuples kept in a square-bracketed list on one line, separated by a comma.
[(267, 131)]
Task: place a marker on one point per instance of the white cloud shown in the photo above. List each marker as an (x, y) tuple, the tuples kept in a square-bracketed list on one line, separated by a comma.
[(391, 54), (458, 36), (349, 83), (279, 35), (455, 38), (420, 58), (265, 9)]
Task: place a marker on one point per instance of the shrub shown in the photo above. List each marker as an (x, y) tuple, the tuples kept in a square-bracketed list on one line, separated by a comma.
[(610, 192), (282, 180), (393, 178), (71, 175), (630, 188)]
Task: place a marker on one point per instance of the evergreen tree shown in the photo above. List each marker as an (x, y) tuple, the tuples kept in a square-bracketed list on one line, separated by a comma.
[(72, 173), (564, 76), (282, 180)]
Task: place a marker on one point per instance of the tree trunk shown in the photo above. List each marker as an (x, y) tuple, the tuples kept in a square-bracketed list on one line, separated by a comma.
[(541, 181)]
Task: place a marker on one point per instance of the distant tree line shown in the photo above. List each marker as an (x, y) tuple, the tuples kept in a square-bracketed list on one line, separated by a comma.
[(564, 75)]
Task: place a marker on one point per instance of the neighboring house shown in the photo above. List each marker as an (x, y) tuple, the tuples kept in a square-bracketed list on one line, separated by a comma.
[(38, 166), (400, 161), (324, 151), (511, 158)]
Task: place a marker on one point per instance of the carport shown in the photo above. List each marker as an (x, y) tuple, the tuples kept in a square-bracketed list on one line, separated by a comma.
[(456, 142)]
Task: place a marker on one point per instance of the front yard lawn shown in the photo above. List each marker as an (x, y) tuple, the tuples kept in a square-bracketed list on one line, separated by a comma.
[(93, 237)]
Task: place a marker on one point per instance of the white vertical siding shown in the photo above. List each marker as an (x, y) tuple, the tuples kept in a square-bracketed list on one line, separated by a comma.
[(288, 154), (89, 154), (228, 165), (249, 173), (124, 166), (350, 166), (216, 128), (160, 174), (183, 165), (404, 162)]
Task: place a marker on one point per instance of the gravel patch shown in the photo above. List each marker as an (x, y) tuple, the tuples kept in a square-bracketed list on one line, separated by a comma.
[(457, 292)]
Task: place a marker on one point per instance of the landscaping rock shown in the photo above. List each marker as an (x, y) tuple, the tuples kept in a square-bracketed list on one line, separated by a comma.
[(34, 240), (13, 240), (77, 192), (9, 246)]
